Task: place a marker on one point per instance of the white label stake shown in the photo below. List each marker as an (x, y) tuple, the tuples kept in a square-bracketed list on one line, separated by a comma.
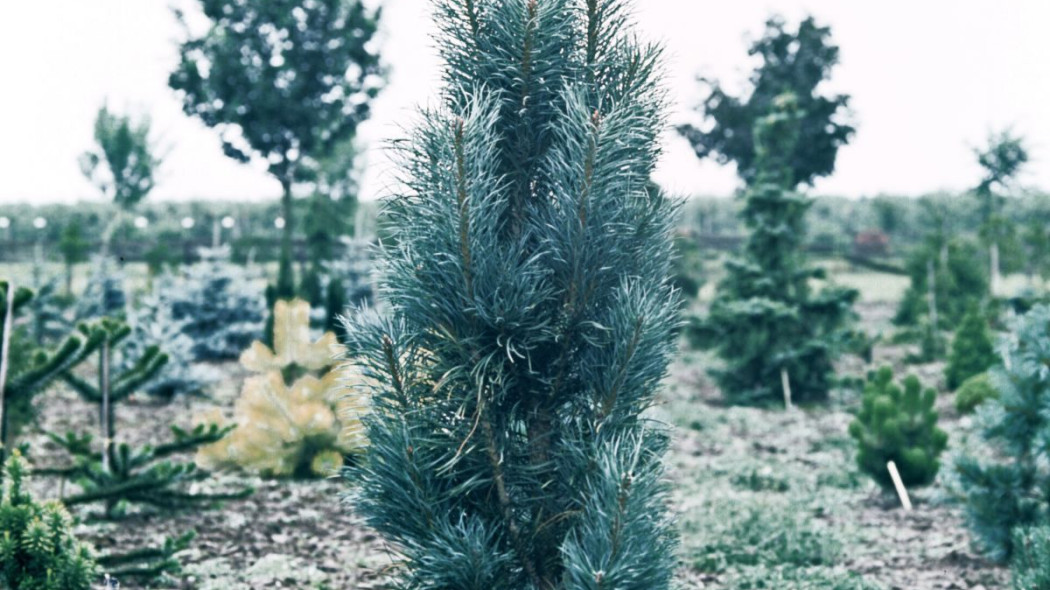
[(785, 383), (901, 491)]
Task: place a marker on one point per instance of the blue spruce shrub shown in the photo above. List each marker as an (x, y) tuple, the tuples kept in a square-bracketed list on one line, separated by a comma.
[(217, 306), (1030, 567), (104, 295), (153, 324), (1009, 490)]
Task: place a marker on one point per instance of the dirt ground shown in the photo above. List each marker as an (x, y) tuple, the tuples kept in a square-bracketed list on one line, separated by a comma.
[(795, 465)]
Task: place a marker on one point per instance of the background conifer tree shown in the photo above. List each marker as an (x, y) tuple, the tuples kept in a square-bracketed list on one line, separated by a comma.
[(972, 352), (1002, 160), (766, 320), (116, 474), (123, 164), (795, 62), (27, 370), (74, 249), (531, 312)]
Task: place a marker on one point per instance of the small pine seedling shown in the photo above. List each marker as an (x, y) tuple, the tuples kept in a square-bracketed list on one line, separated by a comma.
[(900, 425), (37, 548)]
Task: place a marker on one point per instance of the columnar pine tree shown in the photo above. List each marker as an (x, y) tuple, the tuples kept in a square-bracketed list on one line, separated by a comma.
[(530, 311), (1030, 567), (767, 323)]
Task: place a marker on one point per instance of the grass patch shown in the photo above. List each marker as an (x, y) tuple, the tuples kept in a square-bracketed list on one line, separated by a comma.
[(738, 533)]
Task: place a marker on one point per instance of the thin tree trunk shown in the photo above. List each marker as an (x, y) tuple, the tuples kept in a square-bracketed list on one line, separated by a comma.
[(105, 415), (5, 345), (285, 275), (996, 282), (111, 229)]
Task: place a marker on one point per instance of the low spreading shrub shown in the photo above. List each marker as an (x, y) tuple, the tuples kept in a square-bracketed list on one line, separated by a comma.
[(741, 534), (973, 392)]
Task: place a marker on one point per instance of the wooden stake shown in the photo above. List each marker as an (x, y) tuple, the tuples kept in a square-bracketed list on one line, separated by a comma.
[(5, 344), (107, 442), (897, 483), (785, 384)]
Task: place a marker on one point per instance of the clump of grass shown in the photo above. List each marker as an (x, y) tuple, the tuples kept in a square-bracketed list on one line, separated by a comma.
[(759, 534), (761, 544), (760, 480), (800, 578)]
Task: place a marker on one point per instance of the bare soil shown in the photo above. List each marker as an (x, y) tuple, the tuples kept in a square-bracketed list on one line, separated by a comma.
[(299, 534)]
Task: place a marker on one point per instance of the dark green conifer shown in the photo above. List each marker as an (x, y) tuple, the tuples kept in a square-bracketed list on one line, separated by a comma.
[(960, 280), (530, 311), (900, 425), (767, 321), (972, 351)]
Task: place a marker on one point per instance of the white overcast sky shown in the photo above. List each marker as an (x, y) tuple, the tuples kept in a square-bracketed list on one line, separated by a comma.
[(929, 80)]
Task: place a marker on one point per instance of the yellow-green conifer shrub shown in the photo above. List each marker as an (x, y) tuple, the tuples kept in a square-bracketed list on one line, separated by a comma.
[(300, 429)]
